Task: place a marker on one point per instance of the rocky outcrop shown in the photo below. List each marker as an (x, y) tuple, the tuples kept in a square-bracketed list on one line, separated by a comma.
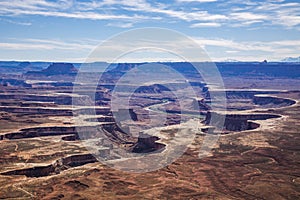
[(78, 160), (92, 111), (71, 137), (124, 114), (146, 144), (40, 132), (100, 119), (117, 133), (13, 82), (51, 131), (56, 167), (123, 67), (40, 111), (59, 99), (56, 69), (236, 122), (272, 101), (33, 172), (156, 88), (258, 69), (76, 185), (200, 104)]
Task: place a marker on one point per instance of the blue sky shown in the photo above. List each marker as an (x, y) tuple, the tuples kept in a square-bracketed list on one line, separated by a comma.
[(68, 30)]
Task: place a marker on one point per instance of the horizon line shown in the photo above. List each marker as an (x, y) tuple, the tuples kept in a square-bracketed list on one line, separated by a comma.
[(224, 61)]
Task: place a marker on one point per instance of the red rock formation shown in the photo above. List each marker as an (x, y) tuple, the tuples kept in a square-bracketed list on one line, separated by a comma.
[(147, 143)]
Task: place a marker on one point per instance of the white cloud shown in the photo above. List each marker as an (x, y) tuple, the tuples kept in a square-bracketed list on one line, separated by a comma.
[(217, 48), (233, 52), (199, 1), (23, 46), (126, 13), (77, 15), (287, 19), (121, 25), (36, 4), (58, 9), (189, 16), (208, 24), (41, 44), (265, 6), (273, 12), (250, 50), (248, 16), (230, 13), (94, 10), (16, 22)]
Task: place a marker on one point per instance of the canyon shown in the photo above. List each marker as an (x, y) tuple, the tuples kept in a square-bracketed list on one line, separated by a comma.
[(55, 141)]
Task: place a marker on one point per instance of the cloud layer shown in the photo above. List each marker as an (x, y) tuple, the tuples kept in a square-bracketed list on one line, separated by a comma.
[(213, 16), (225, 13)]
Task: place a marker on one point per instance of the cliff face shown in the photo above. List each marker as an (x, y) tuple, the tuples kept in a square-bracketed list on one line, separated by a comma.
[(56, 167), (272, 101), (237, 122), (146, 144), (155, 88), (200, 105)]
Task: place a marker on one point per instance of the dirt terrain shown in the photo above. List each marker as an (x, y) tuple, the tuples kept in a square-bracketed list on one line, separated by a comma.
[(44, 156)]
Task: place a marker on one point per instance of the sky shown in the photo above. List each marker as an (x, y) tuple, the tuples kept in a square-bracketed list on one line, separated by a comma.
[(69, 30)]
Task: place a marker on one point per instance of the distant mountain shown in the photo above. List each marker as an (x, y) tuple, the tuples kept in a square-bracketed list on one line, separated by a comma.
[(291, 59), (231, 60), (20, 67), (56, 69), (260, 69), (60, 68)]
